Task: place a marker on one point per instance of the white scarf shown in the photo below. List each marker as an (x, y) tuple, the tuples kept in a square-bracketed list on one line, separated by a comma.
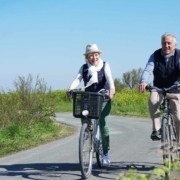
[(93, 72)]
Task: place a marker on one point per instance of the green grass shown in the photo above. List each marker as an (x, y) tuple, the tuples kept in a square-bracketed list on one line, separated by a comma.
[(124, 103), (17, 137), (27, 115), (64, 106)]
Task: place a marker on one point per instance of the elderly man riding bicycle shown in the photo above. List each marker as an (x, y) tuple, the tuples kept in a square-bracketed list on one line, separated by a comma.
[(164, 64)]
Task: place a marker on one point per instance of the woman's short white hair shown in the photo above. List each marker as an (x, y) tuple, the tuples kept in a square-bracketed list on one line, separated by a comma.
[(169, 35)]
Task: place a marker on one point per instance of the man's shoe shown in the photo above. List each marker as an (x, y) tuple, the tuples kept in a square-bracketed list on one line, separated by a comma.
[(106, 161), (156, 135)]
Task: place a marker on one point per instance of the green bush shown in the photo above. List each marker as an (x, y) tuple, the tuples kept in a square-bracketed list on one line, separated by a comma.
[(27, 116), (130, 102), (60, 96), (31, 101)]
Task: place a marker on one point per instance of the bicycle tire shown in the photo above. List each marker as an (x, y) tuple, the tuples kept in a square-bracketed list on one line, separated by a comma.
[(99, 151), (165, 140), (85, 150), (175, 152)]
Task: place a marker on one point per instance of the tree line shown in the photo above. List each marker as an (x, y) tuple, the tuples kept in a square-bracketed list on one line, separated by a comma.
[(129, 79)]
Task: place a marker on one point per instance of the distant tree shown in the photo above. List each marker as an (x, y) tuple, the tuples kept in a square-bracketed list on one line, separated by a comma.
[(118, 84), (131, 78)]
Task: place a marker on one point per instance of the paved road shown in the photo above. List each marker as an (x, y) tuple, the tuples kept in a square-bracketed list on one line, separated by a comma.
[(131, 147)]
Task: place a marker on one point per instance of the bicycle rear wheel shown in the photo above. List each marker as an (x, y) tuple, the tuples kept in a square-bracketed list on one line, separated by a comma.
[(166, 143), (85, 150)]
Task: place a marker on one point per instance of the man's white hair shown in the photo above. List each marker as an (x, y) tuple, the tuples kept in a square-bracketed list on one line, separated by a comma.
[(169, 35)]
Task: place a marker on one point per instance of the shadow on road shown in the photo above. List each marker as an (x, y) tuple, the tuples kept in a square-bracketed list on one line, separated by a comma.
[(139, 166), (122, 167), (33, 171), (56, 170)]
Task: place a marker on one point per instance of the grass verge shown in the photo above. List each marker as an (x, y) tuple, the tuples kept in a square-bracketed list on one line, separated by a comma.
[(17, 137)]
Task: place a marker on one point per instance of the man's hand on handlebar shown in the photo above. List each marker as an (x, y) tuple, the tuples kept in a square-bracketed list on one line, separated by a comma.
[(142, 87)]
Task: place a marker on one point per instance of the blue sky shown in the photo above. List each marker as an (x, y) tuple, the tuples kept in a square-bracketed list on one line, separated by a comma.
[(48, 37)]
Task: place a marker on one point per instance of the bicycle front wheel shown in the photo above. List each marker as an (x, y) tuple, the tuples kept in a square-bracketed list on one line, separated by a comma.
[(99, 148), (166, 143), (85, 150)]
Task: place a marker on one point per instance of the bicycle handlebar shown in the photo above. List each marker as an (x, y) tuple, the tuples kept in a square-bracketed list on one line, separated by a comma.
[(105, 94), (162, 90)]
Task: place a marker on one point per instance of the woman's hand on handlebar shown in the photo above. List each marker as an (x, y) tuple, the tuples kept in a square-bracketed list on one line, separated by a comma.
[(69, 93), (111, 93)]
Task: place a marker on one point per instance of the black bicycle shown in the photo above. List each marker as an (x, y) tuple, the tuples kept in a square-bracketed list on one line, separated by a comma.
[(88, 106), (168, 130)]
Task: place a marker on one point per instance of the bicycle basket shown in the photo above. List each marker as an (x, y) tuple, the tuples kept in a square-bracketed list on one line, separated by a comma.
[(87, 101)]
